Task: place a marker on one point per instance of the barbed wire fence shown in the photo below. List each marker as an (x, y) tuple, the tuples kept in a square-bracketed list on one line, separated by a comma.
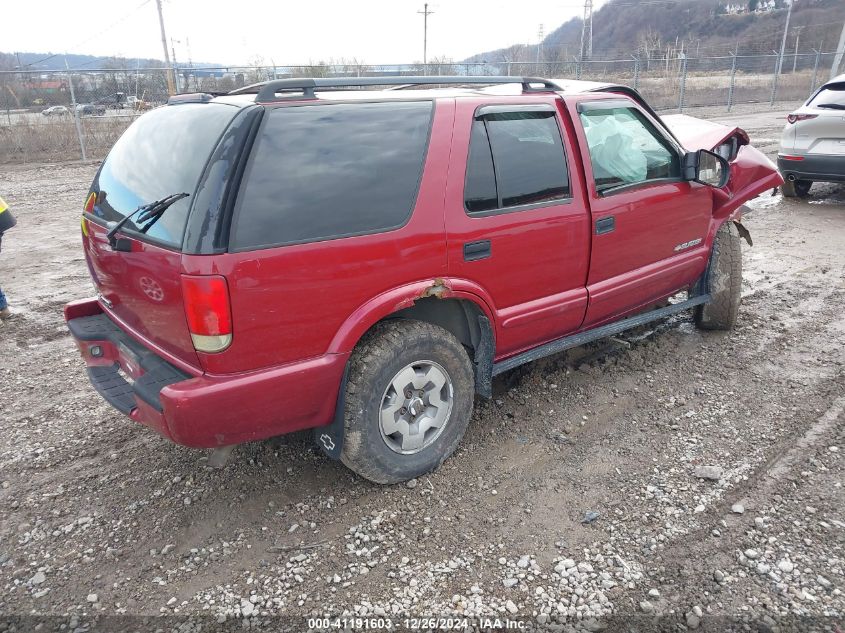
[(63, 115)]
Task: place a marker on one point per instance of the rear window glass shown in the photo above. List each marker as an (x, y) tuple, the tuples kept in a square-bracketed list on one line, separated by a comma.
[(832, 96), (161, 153), (326, 171)]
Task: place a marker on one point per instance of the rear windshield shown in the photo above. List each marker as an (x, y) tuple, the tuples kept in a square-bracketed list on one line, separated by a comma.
[(161, 153), (832, 96), (320, 172)]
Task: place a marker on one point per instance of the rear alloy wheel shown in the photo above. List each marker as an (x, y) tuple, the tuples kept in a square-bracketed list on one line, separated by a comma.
[(409, 398), (725, 282), (796, 188)]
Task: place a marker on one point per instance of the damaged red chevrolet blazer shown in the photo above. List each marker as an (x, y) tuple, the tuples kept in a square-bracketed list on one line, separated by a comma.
[(362, 256)]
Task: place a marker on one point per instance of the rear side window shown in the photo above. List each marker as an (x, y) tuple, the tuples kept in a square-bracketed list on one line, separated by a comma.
[(162, 153), (515, 158), (320, 172), (831, 96)]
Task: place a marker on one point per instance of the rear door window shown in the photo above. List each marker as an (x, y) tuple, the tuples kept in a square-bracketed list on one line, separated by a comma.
[(321, 172), (162, 153), (516, 158)]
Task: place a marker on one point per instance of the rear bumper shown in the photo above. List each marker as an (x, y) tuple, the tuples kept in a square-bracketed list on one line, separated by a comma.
[(203, 411), (820, 168)]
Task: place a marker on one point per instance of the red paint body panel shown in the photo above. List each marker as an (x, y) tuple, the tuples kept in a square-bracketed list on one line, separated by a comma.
[(298, 311), (289, 303), (752, 173), (210, 411), (207, 410), (144, 288), (638, 262), (536, 273), (697, 134)]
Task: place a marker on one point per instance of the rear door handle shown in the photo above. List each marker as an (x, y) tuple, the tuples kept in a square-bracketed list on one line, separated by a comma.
[(605, 225), (474, 251)]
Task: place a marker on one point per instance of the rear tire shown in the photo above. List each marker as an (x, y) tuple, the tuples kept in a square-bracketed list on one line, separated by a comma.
[(409, 399), (725, 281), (796, 189)]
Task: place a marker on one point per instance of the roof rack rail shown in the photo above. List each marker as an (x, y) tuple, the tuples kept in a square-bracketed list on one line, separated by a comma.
[(267, 90)]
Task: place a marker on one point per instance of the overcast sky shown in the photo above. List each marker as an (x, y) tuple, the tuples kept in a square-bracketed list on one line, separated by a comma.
[(237, 31)]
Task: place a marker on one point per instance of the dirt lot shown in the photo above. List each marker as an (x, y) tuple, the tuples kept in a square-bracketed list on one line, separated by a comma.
[(103, 517)]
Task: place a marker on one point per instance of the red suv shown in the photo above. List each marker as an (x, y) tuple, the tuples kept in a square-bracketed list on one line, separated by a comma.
[(307, 253)]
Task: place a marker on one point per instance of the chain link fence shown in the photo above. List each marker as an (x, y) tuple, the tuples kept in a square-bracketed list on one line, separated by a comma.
[(69, 114)]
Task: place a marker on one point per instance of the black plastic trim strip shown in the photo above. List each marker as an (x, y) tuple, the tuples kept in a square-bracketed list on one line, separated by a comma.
[(221, 242), (575, 340), (108, 382)]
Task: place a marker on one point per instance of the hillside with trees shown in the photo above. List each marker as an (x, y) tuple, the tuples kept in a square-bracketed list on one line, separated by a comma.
[(647, 28)]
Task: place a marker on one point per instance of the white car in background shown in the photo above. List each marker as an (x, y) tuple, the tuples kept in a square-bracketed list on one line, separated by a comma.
[(56, 111), (812, 148)]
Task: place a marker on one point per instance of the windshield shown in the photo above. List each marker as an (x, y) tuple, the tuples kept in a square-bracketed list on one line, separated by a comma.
[(831, 96), (163, 152)]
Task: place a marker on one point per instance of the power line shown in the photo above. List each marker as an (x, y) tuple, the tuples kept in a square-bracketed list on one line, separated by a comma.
[(85, 41)]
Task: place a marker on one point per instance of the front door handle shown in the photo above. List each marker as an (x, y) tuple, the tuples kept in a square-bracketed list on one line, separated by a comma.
[(605, 225), (474, 251)]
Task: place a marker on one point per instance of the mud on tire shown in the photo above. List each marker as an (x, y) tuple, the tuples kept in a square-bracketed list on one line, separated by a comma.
[(375, 367), (725, 281)]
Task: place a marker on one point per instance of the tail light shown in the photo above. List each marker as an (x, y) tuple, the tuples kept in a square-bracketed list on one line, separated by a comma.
[(208, 311), (794, 118)]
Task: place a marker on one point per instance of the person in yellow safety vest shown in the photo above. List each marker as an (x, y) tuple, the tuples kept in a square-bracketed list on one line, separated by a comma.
[(7, 221)]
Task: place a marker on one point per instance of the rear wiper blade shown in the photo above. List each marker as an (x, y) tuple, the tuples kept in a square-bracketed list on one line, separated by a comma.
[(156, 210), (151, 211), (832, 106)]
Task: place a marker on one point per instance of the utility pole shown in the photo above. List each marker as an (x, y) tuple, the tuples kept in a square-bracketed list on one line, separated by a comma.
[(75, 112), (839, 50), (795, 56), (587, 30), (171, 73), (539, 42), (783, 41), (175, 65), (425, 13)]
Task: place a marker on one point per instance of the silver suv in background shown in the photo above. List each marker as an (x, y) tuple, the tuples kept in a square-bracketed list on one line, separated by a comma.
[(812, 148)]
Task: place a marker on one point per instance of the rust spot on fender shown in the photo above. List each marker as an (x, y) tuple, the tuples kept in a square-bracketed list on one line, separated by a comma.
[(437, 290)]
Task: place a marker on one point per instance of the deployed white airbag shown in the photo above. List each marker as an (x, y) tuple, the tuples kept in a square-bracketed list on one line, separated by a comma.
[(614, 150)]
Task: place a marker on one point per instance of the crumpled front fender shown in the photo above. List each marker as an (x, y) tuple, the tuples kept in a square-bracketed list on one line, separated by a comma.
[(752, 173)]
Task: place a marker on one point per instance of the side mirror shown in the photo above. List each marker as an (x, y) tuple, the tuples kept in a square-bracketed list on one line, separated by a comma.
[(707, 168)]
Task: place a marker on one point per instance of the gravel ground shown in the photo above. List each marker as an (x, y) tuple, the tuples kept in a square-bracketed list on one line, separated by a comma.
[(668, 478)]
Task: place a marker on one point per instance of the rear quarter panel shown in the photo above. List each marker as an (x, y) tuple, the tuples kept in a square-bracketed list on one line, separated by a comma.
[(288, 303)]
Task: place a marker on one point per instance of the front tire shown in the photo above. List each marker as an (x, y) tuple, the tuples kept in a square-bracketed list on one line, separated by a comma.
[(725, 281), (409, 399), (796, 188)]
